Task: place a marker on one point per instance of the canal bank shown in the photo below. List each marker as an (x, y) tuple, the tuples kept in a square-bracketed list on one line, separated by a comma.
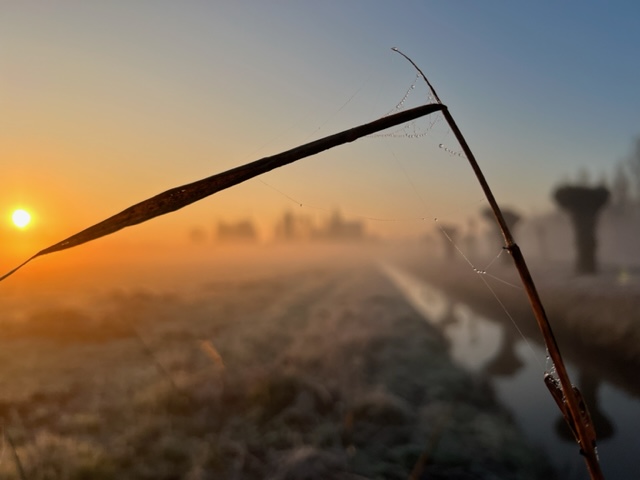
[(595, 319), (483, 338)]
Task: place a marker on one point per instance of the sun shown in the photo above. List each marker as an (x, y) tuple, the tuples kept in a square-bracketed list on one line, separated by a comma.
[(21, 218)]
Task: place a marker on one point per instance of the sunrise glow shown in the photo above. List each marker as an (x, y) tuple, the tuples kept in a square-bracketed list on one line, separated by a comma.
[(21, 218)]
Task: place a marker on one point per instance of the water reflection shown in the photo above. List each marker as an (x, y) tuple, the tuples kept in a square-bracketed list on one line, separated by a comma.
[(496, 348), (506, 362), (473, 341)]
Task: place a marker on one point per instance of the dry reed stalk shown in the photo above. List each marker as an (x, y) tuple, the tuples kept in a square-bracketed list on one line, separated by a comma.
[(16, 458), (179, 197), (212, 352), (425, 458), (159, 366), (575, 412)]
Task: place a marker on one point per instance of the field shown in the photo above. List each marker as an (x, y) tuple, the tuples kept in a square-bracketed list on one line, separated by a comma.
[(317, 370)]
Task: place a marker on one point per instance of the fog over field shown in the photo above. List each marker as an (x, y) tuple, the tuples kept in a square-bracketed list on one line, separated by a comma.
[(284, 360)]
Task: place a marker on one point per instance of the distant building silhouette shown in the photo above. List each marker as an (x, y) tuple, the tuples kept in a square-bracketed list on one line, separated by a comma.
[(243, 231), (292, 227), (337, 228), (197, 235)]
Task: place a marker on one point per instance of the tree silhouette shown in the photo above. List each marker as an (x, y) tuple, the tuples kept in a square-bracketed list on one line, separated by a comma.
[(620, 188), (511, 217), (633, 161), (449, 236), (583, 205)]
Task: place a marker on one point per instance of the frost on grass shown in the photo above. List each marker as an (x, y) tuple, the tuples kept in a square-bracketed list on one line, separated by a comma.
[(322, 374)]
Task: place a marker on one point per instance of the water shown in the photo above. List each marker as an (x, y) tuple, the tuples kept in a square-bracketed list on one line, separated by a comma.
[(516, 368)]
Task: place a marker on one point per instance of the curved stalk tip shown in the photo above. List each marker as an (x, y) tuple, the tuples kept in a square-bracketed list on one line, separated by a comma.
[(573, 414)]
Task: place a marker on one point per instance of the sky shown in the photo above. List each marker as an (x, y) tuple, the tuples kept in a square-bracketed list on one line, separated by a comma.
[(107, 103)]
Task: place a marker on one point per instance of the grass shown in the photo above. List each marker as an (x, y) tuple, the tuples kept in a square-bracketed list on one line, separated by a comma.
[(321, 374)]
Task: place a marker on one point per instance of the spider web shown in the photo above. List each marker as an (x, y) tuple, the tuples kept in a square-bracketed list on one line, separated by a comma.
[(435, 134)]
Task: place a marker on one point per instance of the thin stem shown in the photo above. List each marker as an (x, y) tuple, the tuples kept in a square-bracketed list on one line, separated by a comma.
[(16, 458), (574, 417), (433, 90)]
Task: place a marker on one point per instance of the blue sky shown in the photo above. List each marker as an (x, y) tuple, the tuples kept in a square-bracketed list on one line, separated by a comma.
[(108, 103)]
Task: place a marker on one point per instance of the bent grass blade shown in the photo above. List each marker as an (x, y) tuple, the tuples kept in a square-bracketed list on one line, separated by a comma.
[(179, 197)]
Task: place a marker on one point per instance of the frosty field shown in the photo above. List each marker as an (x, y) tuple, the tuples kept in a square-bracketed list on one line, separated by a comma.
[(313, 369)]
